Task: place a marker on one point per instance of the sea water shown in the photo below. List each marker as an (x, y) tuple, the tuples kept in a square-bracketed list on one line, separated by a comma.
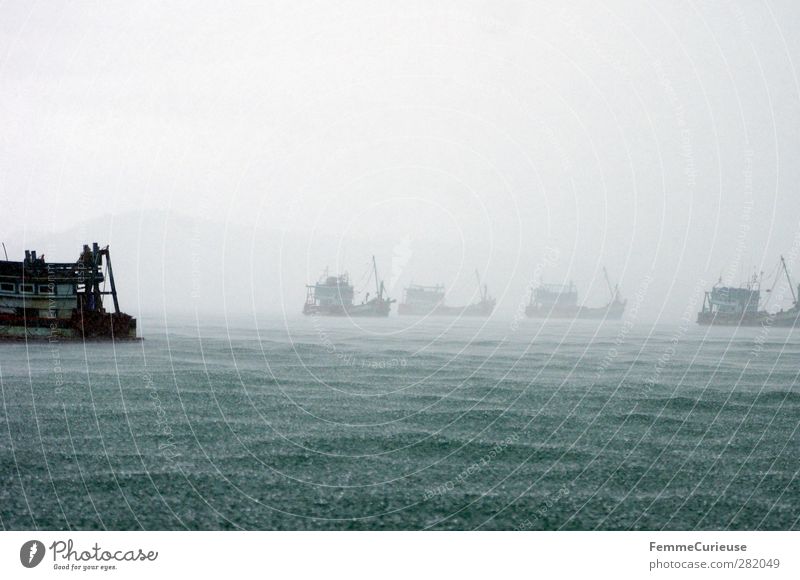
[(403, 423)]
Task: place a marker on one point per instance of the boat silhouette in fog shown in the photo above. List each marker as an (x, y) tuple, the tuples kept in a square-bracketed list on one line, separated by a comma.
[(54, 301), (561, 301), (335, 295), (430, 300), (741, 306)]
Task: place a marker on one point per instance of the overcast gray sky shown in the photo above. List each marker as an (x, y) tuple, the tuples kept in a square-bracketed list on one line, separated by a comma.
[(658, 137)]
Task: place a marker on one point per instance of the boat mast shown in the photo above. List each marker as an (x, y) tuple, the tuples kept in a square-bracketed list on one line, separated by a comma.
[(608, 283), (378, 285), (105, 252), (788, 279), (481, 288)]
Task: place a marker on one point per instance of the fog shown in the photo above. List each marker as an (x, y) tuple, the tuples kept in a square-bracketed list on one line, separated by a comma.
[(229, 154)]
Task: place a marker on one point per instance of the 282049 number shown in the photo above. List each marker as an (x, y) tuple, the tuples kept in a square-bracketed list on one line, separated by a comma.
[(758, 563)]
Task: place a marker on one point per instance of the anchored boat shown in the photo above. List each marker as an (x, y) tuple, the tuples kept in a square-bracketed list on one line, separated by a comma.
[(334, 295), (61, 300), (561, 301), (740, 306), (430, 300)]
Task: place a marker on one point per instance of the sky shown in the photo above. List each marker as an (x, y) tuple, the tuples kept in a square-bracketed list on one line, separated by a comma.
[(528, 140)]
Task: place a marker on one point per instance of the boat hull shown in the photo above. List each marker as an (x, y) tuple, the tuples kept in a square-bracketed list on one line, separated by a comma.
[(375, 309), (480, 309), (610, 312), (61, 301), (784, 318), (81, 326)]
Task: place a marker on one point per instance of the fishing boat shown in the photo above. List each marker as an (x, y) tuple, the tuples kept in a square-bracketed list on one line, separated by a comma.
[(419, 300), (430, 300), (44, 300), (741, 306), (335, 295), (561, 301)]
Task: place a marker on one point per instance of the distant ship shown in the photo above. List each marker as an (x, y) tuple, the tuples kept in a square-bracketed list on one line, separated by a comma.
[(561, 301), (429, 300), (729, 306), (41, 300), (334, 295)]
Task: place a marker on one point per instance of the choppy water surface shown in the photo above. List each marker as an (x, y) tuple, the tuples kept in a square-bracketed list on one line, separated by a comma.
[(403, 424)]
